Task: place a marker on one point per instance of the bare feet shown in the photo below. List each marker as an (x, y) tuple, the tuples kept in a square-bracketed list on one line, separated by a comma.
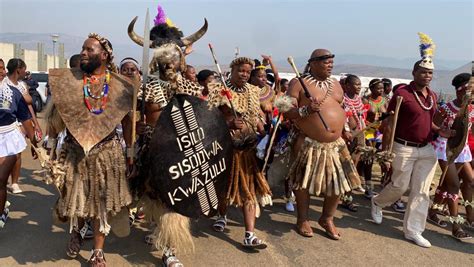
[(304, 228), (330, 229)]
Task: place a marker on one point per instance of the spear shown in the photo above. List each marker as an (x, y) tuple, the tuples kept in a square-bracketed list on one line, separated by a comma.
[(226, 90), (146, 47)]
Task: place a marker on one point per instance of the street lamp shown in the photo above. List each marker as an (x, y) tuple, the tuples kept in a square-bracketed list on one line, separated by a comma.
[(55, 38)]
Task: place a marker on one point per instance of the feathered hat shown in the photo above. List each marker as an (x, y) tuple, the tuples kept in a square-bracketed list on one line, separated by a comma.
[(427, 48)]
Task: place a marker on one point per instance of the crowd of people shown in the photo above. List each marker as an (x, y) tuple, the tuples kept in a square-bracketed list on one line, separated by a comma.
[(330, 136)]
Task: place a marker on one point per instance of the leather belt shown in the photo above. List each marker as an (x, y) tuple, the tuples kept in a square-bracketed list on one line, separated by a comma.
[(409, 143)]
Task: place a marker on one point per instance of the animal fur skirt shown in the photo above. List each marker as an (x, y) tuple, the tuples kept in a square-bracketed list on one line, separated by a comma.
[(324, 168), (94, 186), (247, 184)]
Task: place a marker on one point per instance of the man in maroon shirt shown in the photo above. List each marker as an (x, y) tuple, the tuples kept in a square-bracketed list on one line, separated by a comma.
[(415, 160)]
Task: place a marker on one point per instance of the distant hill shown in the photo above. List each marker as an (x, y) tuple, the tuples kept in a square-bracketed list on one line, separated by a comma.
[(441, 80), (363, 65)]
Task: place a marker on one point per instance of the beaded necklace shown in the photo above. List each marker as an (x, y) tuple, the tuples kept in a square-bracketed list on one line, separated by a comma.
[(377, 103), (421, 103), (451, 110), (235, 88), (326, 85), (103, 94), (356, 106)]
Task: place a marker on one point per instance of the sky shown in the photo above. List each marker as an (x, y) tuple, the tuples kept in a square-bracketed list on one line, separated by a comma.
[(279, 28)]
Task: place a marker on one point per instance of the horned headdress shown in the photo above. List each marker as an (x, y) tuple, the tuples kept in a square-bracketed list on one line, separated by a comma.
[(167, 40)]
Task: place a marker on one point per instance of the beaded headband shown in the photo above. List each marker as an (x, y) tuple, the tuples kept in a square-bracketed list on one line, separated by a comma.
[(105, 44), (374, 82), (242, 60), (323, 57), (129, 60)]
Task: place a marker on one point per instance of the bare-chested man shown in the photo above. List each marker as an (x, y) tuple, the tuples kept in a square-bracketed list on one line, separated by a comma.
[(322, 165)]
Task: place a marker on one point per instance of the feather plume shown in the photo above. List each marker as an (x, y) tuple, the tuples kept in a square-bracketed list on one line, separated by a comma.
[(160, 16), (170, 23), (427, 46)]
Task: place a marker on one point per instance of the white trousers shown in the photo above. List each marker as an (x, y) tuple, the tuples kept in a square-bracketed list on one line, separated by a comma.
[(412, 167)]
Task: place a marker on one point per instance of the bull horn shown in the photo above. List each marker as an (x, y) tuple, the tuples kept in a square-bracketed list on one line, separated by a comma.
[(195, 36), (131, 33)]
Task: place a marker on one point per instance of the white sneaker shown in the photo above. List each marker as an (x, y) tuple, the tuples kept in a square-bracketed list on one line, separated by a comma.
[(376, 212), (289, 206), (7, 204), (360, 189), (419, 240), (16, 189)]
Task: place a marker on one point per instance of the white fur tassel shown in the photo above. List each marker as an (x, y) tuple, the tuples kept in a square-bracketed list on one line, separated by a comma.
[(284, 103)]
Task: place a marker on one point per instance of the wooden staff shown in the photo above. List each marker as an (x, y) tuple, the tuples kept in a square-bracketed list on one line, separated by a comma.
[(226, 90), (306, 91), (395, 119), (269, 149)]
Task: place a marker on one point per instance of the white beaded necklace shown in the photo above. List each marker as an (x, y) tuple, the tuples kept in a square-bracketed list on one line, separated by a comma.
[(326, 85), (421, 103)]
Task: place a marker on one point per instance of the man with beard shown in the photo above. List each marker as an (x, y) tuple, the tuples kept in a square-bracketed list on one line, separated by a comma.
[(167, 69), (89, 102), (323, 165)]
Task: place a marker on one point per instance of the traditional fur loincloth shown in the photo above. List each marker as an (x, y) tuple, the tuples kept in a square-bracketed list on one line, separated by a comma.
[(94, 186), (247, 185), (324, 168)]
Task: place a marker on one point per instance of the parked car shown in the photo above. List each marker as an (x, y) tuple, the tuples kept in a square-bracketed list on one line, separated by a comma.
[(40, 97)]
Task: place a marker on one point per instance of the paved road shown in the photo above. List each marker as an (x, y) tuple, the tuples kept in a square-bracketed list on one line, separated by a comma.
[(29, 238)]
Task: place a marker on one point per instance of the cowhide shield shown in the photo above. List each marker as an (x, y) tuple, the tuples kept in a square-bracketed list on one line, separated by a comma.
[(190, 156), (68, 97), (456, 143)]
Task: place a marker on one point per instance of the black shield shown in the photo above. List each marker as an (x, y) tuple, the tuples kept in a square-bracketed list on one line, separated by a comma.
[(190, 156)]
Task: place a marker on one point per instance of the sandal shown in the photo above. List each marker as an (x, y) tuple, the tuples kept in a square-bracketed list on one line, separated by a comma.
[(171, 261), (469, 225), (301, 231), (252, 241), (349, 205), (75, 243), (460, 235), (434, 219), (328, 230), (219, 224), (97, 258)]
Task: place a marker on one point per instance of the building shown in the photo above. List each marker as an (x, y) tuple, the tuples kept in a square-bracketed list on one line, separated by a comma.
[(36, 60)]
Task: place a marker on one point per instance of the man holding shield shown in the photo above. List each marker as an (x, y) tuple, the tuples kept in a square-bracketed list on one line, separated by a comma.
[(169, 121)]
